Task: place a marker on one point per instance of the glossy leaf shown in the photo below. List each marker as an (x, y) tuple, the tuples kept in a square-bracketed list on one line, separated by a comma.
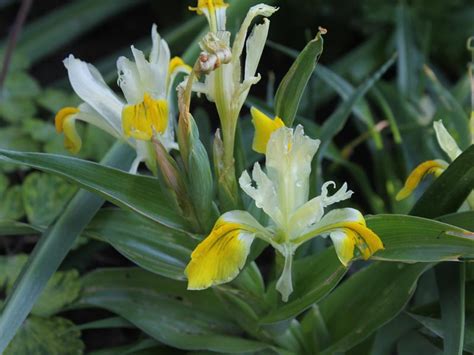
[(141, 194), (163, 309), (447, 193), (51, 250), (158, 249), (436, 326), (314, 278), (290, 91), (415, 239), (11, 228), (451, 278), (368, 300)]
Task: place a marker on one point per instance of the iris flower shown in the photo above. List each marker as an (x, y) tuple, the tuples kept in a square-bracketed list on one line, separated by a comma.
[(282, 192), (438, 166), (144, 114)]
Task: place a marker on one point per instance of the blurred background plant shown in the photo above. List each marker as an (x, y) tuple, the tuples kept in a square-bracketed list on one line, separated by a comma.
[(384, 136)]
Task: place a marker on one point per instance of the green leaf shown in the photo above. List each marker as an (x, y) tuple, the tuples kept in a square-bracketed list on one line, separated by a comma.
[(451, 278), (163, 309), (51, 250), (46, 336), (141, 194), (11, 268), (12, 207), (14, 138), (290, 91), (415, 239), (414, 343), (314, 277), (355, 310), (152, 246), (463, 220), (436, 326), (447, 193), (45, 197), (11, 228), (61, 290)]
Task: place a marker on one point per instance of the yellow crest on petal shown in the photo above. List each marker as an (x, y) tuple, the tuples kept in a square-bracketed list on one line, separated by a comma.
[(435, 167), (140, 121), (219, 257), (65, 121), (350, 234), (264, 127)]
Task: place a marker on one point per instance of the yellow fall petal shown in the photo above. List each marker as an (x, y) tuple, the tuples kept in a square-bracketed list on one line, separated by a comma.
[(435, 167), (65, 121), (140, 121), (264, 127), (219, 257)]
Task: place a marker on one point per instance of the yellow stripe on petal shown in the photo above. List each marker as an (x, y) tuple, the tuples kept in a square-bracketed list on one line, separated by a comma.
[(264, 127), (142, 120), (219, 257), (65, 121), (435, 167)]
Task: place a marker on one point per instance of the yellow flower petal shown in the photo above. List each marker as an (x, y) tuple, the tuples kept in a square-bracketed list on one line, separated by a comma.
[(219, 257), (264, 127), (209, 5), (140, 121), (65, 121), (344, 243), (435, 167), (177, 64)]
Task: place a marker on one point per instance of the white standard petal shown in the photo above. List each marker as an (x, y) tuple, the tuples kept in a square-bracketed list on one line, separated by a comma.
[(254, 48), (264, 193), (288, 161), (129, 81), (446, 141), (257, 10), (91, 88)]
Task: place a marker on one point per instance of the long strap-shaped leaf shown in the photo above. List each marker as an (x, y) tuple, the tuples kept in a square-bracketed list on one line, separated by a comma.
[(51, 250), (141, 194), (450, 190)]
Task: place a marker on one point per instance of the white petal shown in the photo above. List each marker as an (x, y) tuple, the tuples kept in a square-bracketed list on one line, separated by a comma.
[(88, 114), (129, 81), (446, 141), (288, 161), (257, 10), (341, 195), (264, 194), (254, 48), (91, 88)]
